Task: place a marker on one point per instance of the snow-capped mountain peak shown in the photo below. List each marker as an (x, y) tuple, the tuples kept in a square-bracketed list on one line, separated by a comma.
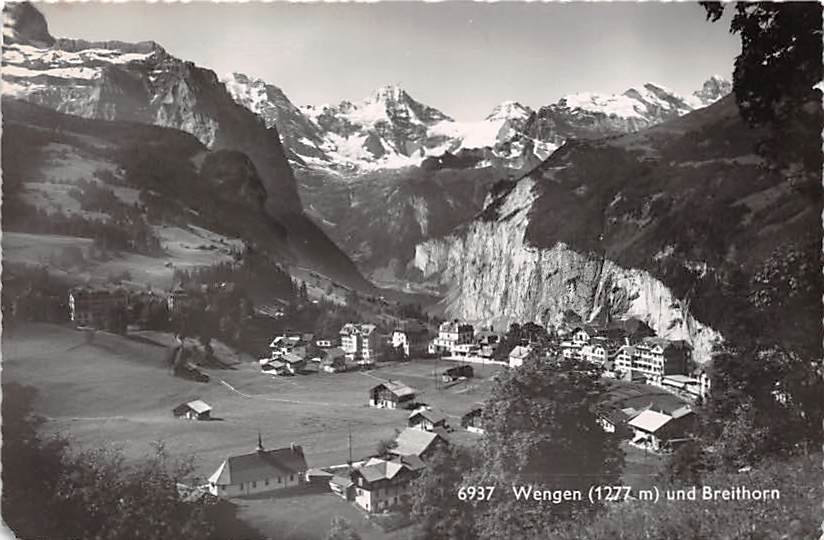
[(391, 129), (509, 110), (712, 90), (388, 93)]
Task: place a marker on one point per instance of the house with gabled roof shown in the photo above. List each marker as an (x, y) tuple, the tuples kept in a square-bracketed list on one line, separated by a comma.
[(259, 471), (427, 420), (193, 410), (658, 431), (416, 442), (381, 484), (391, 395)]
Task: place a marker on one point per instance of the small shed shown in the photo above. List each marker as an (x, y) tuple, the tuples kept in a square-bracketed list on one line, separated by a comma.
[(193, 410)]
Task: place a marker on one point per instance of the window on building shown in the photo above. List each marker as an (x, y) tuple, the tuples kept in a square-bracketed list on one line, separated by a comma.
[(254, 484), (291, 477), (266, 482)]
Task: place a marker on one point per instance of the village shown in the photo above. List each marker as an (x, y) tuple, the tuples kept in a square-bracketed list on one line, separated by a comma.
[(421, 385)]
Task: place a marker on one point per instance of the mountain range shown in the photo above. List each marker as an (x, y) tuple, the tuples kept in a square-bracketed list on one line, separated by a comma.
[(143, 83), (683, 225), (390, 129), (647, 204)]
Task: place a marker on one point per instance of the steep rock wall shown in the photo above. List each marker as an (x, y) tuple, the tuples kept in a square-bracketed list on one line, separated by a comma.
[(493, 277)]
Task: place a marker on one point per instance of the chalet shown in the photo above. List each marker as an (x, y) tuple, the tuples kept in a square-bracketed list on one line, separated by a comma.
[(450, 335), (416, 442), (581, 335), (427, 420), (381, 484), (472, 420), (391, 395), (648, 429), (412, 338), (456, 372), (360, 342), (98, 308), (193, 410), (657, 431), (259, 471), (518, 355)]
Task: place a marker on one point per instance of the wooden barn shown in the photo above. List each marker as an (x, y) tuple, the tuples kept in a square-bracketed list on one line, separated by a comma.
[(193, 410), (391, 395)]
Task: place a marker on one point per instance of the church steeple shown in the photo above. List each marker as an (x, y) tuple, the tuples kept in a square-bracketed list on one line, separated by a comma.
[(260, 443)]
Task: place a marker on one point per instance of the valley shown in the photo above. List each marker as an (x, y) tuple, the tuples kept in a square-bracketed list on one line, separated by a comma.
[(240, 302)]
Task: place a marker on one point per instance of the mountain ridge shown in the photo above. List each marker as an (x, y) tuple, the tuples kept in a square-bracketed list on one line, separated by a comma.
[(142, 83), (653, 225), (389, 129)]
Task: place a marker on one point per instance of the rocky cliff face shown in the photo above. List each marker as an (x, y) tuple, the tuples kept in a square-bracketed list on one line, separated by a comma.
[(138, 82), (494, 277), (675, 225), (142, 83)]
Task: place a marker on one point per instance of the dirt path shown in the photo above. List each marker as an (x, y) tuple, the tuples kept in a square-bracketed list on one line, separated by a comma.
[(281, 400)]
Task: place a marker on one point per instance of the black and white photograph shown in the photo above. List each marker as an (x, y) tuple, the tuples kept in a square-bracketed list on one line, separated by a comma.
[(408, 270)]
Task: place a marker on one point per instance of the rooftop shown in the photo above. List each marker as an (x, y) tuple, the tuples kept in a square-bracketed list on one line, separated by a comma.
[(650, 421), (520, 351), (199, 406), (260, 465), (432, 416), (376, 469), (414, 442), (397, 388)]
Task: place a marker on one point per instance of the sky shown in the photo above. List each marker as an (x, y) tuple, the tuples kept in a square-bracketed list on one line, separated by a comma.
[(460, 57)]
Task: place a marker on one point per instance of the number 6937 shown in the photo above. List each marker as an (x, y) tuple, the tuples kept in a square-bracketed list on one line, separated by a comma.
[(475, 493)]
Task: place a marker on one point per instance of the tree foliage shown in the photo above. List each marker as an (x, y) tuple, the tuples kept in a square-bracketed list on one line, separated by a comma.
[(51, 491), (541, 430), (780, 58), (342, 530), (435, 504)]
